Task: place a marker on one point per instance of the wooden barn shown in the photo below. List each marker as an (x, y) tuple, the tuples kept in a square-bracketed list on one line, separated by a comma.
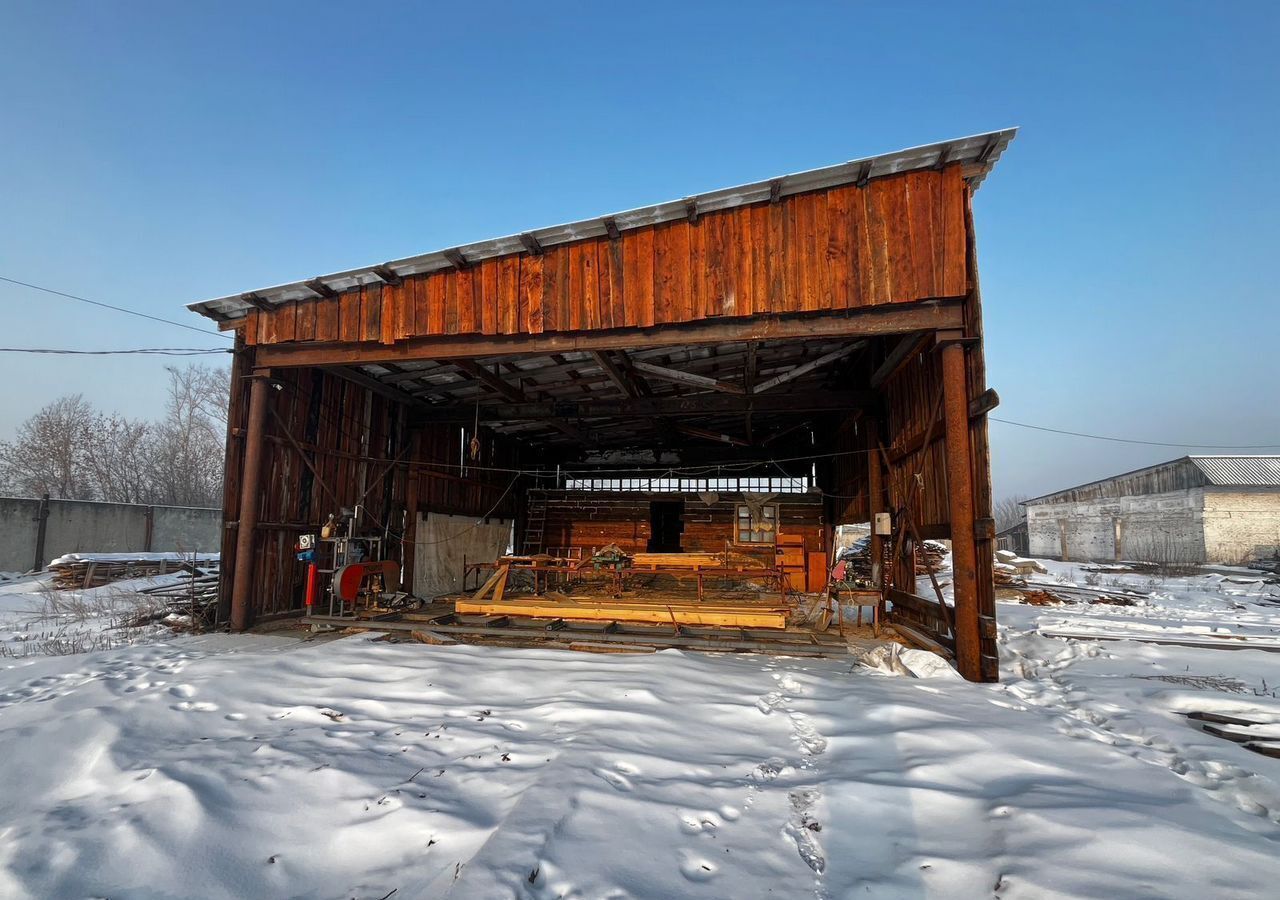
[(732, 374)]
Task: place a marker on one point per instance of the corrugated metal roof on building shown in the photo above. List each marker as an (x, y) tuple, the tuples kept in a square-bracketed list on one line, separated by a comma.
[(978, 153), (1176, 474), (1239, 471)]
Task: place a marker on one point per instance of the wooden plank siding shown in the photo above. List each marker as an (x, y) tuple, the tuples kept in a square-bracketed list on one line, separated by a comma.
[(359, 450), (899, 239)]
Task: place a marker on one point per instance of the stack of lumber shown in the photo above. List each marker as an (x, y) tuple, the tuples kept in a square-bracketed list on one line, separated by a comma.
[(87, 570), (194, 593), (929, 555), (665, 611), (678, 561)]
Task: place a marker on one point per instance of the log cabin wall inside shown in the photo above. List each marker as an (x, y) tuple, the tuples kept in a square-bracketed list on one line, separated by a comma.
[(593, 519)]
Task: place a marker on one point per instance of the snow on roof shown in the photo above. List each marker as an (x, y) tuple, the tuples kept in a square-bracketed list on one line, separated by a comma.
[(979, 152)]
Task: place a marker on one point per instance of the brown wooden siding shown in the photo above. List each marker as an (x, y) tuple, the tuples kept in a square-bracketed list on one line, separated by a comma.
[(898, 239), (361, 451)]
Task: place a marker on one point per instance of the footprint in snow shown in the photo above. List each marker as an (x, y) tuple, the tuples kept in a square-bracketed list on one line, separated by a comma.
[(696, 868), (182, 690), (692, 822), (616, 780), (235, 717), (197, 706)]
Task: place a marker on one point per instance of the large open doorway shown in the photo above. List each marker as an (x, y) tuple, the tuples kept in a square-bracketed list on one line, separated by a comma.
[(666, 524)]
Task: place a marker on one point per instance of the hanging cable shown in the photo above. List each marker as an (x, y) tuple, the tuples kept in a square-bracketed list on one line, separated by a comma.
[(141, 351), (119, 309)]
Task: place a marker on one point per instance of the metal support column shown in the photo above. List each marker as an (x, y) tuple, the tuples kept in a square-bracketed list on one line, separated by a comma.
[(250, 490)]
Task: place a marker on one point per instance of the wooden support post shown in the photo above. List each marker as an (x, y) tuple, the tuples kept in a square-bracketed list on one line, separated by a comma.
[(875, 504), (250, 490), (960, 494)]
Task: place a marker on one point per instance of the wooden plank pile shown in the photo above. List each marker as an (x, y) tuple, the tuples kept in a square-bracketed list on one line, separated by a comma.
[(89, 570), (929, 555), (195, 594)]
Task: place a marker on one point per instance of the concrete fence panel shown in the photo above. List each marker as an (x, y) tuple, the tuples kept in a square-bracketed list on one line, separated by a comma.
[(85, 526)]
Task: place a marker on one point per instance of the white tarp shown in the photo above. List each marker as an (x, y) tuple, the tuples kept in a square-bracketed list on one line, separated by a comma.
[(445, 543)]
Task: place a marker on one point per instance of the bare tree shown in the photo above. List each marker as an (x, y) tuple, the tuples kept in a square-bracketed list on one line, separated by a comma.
[(1009, 511), (48, 454), (116, 453), (186, 446)]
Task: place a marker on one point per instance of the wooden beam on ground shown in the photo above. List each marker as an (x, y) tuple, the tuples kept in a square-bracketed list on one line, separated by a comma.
[(687, 378), (805, 368), (897, 358), (871, 321)]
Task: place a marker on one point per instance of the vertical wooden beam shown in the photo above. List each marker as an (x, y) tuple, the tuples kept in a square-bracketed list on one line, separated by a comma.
[(964, 560), (876, 504), (250, 487)]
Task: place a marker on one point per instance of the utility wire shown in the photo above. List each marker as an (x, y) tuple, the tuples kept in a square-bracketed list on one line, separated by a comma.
[(146, 351), (1099, 437), (121, 309)]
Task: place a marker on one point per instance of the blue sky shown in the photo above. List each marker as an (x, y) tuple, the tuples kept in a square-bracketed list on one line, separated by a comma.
[(157, 153)]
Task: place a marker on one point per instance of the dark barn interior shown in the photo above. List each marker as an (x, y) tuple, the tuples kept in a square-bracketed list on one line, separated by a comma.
[(731, 374)]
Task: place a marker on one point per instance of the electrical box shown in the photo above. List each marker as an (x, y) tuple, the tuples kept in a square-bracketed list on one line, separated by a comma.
[(883, 524)]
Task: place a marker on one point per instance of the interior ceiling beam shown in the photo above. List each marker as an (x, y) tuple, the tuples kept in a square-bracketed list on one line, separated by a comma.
[(806, 368), (614, 373), (378, 387), (711, 435), (887, 319), (646, 407), (907, 347), (474, 370), (687, 378)]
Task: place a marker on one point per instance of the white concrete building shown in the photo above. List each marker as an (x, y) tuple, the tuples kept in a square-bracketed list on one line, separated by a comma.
[(1217, 509)]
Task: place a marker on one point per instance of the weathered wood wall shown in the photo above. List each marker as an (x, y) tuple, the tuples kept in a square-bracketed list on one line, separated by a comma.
[(329, 444), (898, 239)]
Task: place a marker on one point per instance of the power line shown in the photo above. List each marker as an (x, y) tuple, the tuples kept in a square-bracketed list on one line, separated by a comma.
[(146, 351), (1100, 437), (121, 309)]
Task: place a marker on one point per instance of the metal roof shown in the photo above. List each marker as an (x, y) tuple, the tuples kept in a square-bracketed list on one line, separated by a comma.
[(1239, 471), (979, 152), (1217, 471)]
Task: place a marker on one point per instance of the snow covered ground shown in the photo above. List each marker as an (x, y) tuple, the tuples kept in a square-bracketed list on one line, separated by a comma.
[(256, 766)]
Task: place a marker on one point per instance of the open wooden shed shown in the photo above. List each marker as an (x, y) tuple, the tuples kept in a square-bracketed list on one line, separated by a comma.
[(755, 364)]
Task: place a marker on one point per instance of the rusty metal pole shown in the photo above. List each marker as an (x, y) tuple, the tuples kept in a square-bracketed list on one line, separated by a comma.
[(250, 489), (964, 559)]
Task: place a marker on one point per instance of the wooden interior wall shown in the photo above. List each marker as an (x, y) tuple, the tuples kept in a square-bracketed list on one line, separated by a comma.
[(593, 519), (898, 239), (360, 451)]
